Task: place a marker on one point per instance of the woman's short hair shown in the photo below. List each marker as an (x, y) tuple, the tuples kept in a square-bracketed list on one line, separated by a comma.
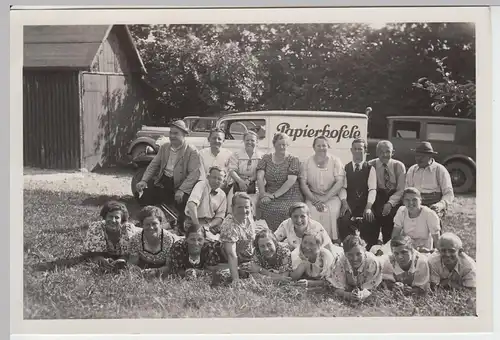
[(216, 130), (112, 206), (250, 133), (263, 234), (399, 241), (298, 205), (352, 241), (323, 138), (279, 136), (240, 194), (192, 228), (412, 190), (150, 211)]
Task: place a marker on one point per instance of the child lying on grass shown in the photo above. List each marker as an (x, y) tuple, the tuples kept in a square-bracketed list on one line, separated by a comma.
[(405, 269), (356, 272), (451, 267)]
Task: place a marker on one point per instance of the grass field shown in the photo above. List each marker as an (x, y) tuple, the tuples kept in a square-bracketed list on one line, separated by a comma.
[(57, 206)]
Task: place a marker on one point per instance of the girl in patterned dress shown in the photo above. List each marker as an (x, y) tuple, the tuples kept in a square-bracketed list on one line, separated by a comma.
[(311, 262), (107, 241), (277, 182), (356, 272), (194, 255), (272, 259), (150, 248), (405, 269)]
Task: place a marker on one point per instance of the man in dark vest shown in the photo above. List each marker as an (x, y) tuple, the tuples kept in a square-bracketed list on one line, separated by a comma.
[(358, 195)]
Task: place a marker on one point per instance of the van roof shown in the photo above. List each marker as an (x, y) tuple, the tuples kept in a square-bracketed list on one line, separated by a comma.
[(432, 118), (299, 113)]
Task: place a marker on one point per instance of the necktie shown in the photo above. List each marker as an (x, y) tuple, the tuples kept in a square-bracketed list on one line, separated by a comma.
[(356, 169), (387, 178)]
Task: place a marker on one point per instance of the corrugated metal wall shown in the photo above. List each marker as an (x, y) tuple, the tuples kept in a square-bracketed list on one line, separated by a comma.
[(51, 131)]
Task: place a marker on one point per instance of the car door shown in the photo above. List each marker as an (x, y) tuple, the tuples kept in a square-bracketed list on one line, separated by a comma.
[(405, 134), (442, 136)]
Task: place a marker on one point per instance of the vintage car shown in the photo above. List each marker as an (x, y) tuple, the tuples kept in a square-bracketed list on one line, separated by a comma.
[(148, 138), (454, 139)]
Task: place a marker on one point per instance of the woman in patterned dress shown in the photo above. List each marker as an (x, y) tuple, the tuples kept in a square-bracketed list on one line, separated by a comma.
[(279, 189), (194, 255), (356, 272), (243, 169), (321, 179), (405, 269), (311, 262), (150, 248), (272, 259), (107, 241)]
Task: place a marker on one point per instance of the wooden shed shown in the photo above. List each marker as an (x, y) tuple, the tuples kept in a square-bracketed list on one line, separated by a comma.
[(83, 95)]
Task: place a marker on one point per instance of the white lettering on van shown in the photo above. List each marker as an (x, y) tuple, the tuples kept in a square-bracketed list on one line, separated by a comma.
[(336, 134)]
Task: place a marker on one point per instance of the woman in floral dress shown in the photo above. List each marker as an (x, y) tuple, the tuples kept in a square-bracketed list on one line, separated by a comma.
[(107, 241), (279, 188), (272, 259), (150, 248), (356, 272)]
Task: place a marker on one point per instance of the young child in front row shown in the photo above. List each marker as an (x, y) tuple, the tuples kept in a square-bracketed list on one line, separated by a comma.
[(405, 269), (451, 267), (356, 272)]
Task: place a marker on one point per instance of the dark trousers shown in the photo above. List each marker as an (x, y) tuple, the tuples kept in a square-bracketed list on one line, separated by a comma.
[(368, 231), (164, 193), (384, 223)]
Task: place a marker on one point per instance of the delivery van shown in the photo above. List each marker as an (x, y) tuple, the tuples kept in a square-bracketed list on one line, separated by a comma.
[(341, 128)]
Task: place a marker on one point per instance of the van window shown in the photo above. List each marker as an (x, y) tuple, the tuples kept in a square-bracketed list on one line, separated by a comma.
[(203, 125), (441, 132), (236, 129), (406, 130)]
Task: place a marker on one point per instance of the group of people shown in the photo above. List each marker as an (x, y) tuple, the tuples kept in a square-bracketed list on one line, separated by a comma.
[(322, 219)]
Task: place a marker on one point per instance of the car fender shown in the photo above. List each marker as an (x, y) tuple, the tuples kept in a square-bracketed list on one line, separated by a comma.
[(458, 157), (142, 140)]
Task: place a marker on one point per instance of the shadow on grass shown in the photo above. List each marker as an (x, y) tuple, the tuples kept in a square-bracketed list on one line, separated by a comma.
[(99, 200)]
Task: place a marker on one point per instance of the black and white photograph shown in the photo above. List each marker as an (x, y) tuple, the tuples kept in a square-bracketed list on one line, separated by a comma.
[(251, 170)]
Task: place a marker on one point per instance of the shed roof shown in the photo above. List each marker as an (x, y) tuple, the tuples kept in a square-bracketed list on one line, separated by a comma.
[(67, 46)]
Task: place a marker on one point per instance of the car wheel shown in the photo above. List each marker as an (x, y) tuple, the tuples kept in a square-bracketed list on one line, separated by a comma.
[(139, 150), (462, 176), (136, 179)]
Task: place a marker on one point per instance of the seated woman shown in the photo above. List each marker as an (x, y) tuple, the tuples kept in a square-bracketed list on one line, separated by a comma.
[(417, 221), (243, 169), (321, 179), (293, 229), (107, 241), (271, 258), (405, 268), (451, 267), (150, 248), (277, 183), (195, 255), (356, 272), (312, 263)]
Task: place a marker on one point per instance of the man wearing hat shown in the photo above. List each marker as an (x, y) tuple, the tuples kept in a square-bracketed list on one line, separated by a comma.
[(173, 172), (431, 179)]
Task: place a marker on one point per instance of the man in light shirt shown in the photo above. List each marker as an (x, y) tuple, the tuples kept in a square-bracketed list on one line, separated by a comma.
[(172, 174), (391, 176), (358, 195), (431, 179), (216, 155), (207, 205)]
